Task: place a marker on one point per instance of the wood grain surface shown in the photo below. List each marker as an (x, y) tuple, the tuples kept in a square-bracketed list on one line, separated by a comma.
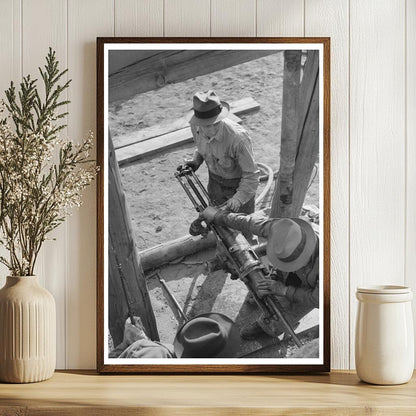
[(81, 393), (85, 18), (52, 257), (377, 149), (331, 17)]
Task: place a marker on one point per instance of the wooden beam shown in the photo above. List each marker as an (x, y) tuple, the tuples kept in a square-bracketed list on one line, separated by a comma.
[(172, 66), (165, 253), (122, 248), (307, 88), (150, 146), (120, 59), (307, 153), (282, 199)]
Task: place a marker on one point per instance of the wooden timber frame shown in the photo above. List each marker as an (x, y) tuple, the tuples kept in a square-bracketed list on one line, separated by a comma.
[(300, 133), (127, 289), (179, 72)]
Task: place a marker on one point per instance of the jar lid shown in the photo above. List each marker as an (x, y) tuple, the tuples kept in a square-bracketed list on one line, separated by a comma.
[(384, 289)]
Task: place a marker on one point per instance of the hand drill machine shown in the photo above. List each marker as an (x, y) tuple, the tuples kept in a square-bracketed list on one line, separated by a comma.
[(238, 258)]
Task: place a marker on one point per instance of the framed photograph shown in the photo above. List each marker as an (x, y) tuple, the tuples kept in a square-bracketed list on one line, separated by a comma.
[(213, 247)]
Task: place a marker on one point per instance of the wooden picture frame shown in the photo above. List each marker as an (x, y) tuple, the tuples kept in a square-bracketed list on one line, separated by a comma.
[(127, 67)]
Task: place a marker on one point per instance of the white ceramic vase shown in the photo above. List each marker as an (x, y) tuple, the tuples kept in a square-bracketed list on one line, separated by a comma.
[(27, 331), (384, 338)]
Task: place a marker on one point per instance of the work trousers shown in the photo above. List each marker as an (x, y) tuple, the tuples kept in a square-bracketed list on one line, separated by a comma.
[(220, 190)]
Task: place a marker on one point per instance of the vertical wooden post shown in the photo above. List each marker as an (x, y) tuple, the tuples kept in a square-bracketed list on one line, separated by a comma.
[(287, 202), (121, 245), (289, 135), (308, 150)]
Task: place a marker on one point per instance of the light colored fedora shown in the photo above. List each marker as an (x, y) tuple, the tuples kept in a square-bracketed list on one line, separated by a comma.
[(291, 243), (210, 335), (207, 109)]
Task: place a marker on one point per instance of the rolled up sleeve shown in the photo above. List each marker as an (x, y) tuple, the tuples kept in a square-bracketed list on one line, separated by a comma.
[(245, 223), (305, 296)]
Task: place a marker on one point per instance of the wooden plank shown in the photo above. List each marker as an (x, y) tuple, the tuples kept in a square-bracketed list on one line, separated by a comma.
[(237, 108), (233, 18), (150, 147), (36, 40), (122, 253), (172, 66), (283, 194), (153, 132), (138, 17), (158, 144), (280, 18), (331, 18), (87, 393), (411, 152), (10, 67), (187, 18), (86, 19), (377, 147), (244, 106)]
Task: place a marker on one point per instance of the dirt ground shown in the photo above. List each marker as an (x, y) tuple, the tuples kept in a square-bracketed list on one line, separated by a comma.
[(160, 210)]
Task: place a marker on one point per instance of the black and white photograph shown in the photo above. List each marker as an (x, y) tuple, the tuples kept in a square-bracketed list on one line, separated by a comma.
[(215, 205)]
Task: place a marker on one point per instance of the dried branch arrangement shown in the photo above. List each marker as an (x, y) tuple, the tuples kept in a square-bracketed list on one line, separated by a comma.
[(42, 175)]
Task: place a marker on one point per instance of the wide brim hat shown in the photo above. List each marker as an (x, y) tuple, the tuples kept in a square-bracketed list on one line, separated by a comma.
[(207, 109), (291, 243), (209, 335)]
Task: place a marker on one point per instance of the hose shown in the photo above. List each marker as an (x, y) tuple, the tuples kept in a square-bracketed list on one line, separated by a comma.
[(269, 176)]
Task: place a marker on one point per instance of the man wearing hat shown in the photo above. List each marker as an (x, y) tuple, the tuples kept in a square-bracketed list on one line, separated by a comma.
[(292, 249), (226, 148)]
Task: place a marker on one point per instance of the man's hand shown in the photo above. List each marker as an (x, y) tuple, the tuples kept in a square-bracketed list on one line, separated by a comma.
[(133, 332), (197, 228), (191, 164), (208, 214), (234, 205), (271, 287)]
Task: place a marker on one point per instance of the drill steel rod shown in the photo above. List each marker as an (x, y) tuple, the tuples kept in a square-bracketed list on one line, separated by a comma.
[(278, 312), (202, 187), (197, 193), (187, 191), (269, 305)]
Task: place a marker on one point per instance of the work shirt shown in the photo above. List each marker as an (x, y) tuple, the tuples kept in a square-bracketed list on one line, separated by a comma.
[(229, 155), (308, 292)]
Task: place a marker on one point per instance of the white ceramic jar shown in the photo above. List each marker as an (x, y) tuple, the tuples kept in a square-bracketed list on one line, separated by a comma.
[(384, 337)]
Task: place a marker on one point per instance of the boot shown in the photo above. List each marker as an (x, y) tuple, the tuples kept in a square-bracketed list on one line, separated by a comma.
[(252, 331)]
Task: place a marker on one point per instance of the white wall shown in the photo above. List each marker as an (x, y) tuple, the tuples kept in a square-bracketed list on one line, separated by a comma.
[(373, 128)]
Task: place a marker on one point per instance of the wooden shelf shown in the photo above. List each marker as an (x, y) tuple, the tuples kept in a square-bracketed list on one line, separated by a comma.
[(85, 392)]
